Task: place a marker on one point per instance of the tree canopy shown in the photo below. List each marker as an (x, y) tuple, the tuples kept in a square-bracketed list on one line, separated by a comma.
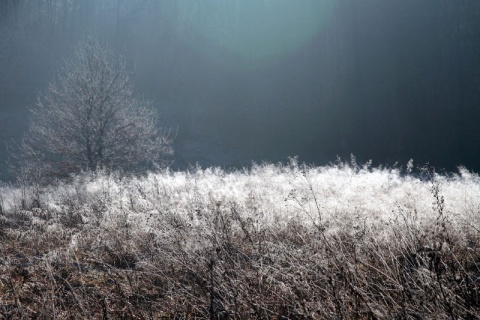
[(90, 118)]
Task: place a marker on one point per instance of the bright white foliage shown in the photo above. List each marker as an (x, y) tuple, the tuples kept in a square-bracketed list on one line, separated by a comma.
[(336, 197)]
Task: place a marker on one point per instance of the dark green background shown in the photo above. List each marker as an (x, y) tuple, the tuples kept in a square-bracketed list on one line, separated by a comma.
[(386, 80)]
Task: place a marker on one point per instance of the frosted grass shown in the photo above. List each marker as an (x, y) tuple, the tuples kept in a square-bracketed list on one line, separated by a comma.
[(262, 238), (342, 196)]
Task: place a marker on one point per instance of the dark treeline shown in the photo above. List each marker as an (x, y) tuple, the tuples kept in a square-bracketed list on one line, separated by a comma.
[(384, 80)]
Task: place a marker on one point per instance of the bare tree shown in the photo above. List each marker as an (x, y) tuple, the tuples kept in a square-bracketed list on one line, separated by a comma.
[(90, 118)]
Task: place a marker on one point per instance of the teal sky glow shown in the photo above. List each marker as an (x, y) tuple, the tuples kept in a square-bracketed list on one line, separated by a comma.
[(254, 31)]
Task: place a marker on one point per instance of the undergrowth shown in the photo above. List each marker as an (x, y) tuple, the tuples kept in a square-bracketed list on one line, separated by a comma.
[(272, 242)]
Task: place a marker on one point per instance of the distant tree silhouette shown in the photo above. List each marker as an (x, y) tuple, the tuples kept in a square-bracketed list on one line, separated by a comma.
[(90, 118)]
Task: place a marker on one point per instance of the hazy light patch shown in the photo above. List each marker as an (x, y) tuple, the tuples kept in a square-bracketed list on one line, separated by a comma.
[(254, 32)]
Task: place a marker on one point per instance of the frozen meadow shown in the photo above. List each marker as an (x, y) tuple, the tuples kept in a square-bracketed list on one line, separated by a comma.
[(344, 240), (336, 197)]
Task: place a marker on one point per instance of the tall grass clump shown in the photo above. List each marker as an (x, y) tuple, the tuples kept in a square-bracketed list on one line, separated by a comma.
[(343, 241)]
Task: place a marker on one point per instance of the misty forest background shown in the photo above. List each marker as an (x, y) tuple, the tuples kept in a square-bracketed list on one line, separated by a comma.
[(264, 80)]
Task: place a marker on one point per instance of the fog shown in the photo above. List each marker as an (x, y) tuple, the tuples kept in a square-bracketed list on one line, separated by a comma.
[(262, 80)]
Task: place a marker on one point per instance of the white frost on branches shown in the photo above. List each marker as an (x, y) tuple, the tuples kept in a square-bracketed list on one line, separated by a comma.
[(90, 118)]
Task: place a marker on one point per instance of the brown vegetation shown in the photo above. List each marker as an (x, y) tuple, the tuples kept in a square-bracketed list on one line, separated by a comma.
[(221, 262)]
